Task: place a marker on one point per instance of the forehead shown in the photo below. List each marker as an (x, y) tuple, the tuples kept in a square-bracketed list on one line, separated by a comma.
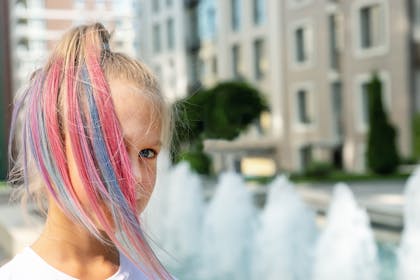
[(137, 112)]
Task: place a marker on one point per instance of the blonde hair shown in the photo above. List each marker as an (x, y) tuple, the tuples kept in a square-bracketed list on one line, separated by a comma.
[(77, 75)]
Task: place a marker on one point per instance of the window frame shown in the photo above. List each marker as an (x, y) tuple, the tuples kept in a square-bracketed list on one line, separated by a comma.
[(308, 25), (361, 52), (311, 108)]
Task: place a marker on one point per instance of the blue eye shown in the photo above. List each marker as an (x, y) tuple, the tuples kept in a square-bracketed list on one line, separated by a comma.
[(147, 153)]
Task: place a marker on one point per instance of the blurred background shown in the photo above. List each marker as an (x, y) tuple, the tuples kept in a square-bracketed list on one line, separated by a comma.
[(320, 90), (310, 60)]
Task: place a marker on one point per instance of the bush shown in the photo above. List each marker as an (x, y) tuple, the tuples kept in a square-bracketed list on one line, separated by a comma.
[(408, 160), (416, 136), (221, 112), (199, 162), (382, 155), (319, 169)]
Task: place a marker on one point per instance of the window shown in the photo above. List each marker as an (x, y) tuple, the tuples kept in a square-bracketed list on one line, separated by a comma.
[(258, 11), (332, 27), (259, 59), (21, 4), (211, 17), (207, 14), (305, 154), (214, 65), (372, 26), (302, 106), (169, 3), (236, 56), (156, 38), (155, 6), (300, 46), (202, 69), (23, 43), (336, 107), (235, 11), (365, 102), (170, 33)]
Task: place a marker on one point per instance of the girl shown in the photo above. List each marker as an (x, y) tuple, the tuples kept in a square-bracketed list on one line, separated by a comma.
[(92, 124)]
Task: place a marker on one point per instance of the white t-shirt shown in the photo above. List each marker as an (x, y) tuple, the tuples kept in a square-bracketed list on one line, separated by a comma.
[(28, 265)]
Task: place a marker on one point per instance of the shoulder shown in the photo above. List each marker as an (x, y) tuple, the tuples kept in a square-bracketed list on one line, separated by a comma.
[(27, 265), (6, 271), (15, 268)]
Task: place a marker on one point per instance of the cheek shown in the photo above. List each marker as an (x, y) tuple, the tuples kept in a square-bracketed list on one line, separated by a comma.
[(145, 175), (145, 172)]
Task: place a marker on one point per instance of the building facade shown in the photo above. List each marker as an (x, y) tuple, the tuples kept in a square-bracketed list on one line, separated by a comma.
[(311, 58), (35, 26), (332, 49), (170, 44)]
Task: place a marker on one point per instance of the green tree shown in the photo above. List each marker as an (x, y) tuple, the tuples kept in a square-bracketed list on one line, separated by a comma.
[(416, 136), (382, 155), (221, 112)]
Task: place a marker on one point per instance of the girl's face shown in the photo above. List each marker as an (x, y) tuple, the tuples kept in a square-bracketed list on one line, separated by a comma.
[(141, 126)]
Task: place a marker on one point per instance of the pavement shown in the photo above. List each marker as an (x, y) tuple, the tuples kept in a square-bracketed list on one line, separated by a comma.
[(383, 201)]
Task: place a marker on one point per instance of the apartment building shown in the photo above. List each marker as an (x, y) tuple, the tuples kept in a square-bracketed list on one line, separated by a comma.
[(311, 58), (331, 50), (170, 44), (37, 24)]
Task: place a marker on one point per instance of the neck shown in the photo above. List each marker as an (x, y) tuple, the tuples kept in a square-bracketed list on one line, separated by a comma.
[(64, 242)]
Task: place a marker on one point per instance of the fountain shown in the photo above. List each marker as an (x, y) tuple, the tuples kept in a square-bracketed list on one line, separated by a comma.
[(409, 250), (286, 236), (346, 249), (228, 231), (228, 238), (173, 218)]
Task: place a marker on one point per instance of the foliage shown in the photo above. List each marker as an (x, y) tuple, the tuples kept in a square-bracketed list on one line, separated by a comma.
[(221, 112), (319, 169), (416, 135), (199, 161), (408, 160), (382, 155), (342, 176)]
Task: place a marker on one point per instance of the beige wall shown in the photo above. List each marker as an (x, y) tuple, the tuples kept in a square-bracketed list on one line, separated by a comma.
[(317, 76), (283, 77), (393, 64)]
